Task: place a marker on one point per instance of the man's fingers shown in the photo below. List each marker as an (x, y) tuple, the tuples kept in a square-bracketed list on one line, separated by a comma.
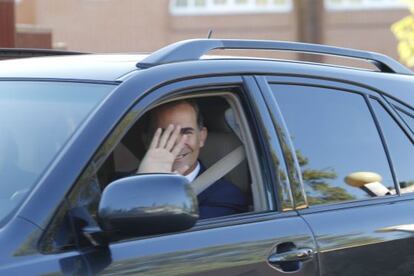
[(173, 138), (165, 136), (155, 139), (179, 146)]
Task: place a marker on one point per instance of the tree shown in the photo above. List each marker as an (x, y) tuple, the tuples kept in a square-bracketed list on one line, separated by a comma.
[(7, 24), (404, 32), (318, 189), (316, 181), (309, 24)]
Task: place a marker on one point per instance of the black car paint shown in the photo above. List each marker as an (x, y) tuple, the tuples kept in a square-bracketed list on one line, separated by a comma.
[(157, 214), (189, 251), (359, 239)]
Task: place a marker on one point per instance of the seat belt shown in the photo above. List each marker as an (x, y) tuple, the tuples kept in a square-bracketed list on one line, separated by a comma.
[(218, 170)]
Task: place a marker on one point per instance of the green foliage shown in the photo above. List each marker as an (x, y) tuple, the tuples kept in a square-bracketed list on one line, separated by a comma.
[(318, 187)]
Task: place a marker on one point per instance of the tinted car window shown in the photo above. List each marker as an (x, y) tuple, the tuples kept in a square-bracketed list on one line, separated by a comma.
[(334, 135), (27, 149), (400, 147), (409, 120), (404, 111)]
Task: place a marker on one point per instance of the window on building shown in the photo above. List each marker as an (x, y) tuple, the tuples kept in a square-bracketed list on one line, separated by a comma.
[(212, 7), (181, 3), (363, 4), (261, 2), (337, 143), (200, 3), (220, 2)]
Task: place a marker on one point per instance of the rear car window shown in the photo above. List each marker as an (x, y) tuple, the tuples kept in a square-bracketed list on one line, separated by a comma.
[(335, 136), (36, 120), (400, 147)]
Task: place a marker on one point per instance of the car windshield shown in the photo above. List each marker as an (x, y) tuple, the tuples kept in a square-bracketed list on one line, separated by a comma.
[(36, 120)]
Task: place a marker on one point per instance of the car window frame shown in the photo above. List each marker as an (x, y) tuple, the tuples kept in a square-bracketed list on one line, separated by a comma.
[(176, 89), (393, 112), (195, 87), (337, 84), (398, 107)]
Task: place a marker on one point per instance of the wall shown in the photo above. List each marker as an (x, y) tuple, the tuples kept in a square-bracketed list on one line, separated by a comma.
[(146, 25), (33, 37)]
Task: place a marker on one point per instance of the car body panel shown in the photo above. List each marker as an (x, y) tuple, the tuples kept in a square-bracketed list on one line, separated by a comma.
[(20, 254), (364, 240), (363, 237), (346, 238), (197, 252), (239, 251), (87, 67)]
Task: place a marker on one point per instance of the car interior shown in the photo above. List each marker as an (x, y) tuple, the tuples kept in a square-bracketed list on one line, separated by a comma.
[(224, 153)]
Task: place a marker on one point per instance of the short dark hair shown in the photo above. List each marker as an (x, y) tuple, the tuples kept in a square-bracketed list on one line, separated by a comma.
[(199, 115), (193, 103)]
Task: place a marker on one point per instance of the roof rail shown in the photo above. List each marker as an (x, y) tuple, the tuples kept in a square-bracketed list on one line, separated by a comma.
[(9, 53), (194, 49)]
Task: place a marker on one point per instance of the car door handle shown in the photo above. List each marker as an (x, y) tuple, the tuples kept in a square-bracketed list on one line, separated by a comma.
[(295, 255)]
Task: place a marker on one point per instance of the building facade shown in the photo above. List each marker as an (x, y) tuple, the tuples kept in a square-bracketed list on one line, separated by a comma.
[(146, 25)]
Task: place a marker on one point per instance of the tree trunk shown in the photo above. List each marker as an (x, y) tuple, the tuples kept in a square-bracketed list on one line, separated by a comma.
[(7, 24), (310, 24)]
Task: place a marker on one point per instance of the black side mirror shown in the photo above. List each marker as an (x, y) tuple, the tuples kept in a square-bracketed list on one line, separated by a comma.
[(147, 204)]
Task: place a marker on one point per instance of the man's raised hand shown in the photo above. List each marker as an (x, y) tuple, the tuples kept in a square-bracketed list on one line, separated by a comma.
[(164, 148)]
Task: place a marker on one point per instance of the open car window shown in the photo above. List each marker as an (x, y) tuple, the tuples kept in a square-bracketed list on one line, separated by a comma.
[(224, 137), (120, 155)]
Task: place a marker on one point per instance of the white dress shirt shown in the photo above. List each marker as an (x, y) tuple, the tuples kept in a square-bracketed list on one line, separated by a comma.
[(192, 175)]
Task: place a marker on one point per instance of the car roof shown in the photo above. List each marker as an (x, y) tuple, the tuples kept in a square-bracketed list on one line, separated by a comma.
[(116, 67), (105, 67)]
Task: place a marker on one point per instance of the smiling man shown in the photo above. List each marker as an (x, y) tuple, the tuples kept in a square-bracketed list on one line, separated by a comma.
[(179, 134)]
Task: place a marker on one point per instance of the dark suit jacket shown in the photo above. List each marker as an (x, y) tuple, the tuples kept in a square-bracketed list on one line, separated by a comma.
[(222, 198)]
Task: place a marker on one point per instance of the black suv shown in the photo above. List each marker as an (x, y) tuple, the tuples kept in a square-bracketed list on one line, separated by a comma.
[(323, 153)]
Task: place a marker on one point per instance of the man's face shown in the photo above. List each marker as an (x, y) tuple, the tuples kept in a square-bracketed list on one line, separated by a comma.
[(183, 114)]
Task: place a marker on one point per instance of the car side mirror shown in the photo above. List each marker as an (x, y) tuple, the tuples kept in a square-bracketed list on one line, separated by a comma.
[(370, 182), (147, 204)]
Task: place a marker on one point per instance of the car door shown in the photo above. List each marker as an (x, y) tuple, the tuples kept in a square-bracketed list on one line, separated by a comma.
[(273, 241), (336, 130), (37, 126)]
